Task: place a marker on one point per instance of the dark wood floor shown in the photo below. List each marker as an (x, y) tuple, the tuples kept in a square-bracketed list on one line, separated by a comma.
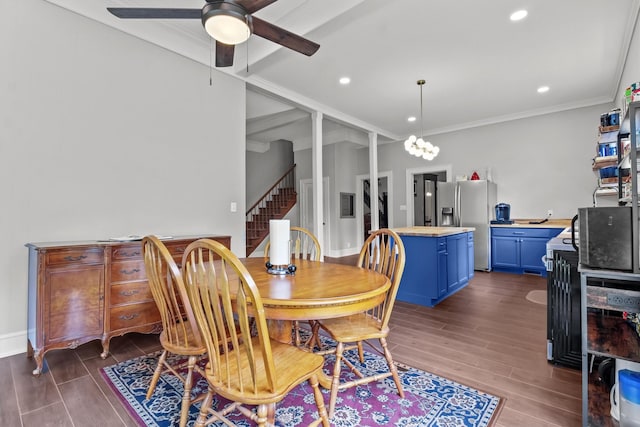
[(487, 336)]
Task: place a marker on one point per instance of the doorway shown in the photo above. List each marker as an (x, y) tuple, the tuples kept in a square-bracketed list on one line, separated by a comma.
[(370, 208), (365, 207), (425, 196), (421, 208)]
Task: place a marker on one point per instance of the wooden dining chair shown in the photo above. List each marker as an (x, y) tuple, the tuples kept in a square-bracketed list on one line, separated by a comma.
[(304, 245), (247, 369), (383, 252), (180, 333)]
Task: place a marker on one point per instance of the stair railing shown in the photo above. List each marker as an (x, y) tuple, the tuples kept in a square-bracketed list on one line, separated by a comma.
[(263, 209)]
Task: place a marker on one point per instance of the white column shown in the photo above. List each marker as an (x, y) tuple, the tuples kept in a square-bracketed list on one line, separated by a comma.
[(316, 175), (373, 179)]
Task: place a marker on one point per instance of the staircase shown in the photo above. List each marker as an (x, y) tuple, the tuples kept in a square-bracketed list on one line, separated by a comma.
[(383, 217), (274, 204)]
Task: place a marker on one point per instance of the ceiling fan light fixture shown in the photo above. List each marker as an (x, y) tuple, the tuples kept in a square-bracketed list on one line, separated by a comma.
[(227, 23)]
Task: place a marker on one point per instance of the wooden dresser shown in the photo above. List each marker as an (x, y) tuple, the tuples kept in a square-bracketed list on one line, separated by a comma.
[(81, 291)]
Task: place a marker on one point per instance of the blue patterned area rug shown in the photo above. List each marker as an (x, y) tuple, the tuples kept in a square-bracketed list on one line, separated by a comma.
[(429, 400)]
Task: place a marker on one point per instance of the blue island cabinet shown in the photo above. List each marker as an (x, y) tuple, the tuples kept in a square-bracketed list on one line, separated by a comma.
[(436, 267)]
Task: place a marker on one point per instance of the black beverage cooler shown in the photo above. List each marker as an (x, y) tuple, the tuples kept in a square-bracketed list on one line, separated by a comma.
[(564, 345)]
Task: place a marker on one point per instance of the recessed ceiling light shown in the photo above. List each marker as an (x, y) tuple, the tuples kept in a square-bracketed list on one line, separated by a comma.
[(411, 119), (518, 15), (345, 80), (543, 89)]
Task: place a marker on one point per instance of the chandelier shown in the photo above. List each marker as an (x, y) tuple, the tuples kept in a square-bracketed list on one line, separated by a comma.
[(417, 146)]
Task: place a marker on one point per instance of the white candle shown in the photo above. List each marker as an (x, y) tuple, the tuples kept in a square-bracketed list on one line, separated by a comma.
[(279, 241)]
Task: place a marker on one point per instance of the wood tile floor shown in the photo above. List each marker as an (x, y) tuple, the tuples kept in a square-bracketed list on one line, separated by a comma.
[(487, 336)]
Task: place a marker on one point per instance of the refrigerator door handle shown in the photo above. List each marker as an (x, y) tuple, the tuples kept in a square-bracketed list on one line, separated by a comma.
[(457, 209)]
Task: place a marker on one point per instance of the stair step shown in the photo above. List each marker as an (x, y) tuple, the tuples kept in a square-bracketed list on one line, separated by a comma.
[(257, 228)]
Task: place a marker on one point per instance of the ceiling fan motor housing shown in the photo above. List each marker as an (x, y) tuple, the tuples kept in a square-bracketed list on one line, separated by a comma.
[(226, 8)]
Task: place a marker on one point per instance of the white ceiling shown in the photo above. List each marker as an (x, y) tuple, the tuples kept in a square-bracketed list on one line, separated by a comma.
[(479, 66)]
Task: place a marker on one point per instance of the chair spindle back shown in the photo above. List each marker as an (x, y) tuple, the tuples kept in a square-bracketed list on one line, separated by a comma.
[(383, 251), (225, 299), (167, 288)]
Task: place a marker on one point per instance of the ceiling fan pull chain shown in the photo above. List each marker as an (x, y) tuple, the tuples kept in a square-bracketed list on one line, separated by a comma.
[(210, 61)]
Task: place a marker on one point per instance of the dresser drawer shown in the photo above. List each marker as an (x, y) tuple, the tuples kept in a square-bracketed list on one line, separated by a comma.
[(128, 252), (128, 316), (84, 255), (130, 293), (126, 271), (177, 250)]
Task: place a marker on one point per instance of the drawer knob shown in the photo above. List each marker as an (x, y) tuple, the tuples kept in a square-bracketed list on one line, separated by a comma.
[(129, 293), (128, 316), (132, 271)]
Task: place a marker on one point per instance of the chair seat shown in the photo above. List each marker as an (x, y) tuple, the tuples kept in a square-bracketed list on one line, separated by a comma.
[(291, 364), (357, 327), (191, 348)]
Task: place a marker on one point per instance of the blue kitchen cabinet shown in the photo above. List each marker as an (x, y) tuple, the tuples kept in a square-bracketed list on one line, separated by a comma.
[(471, 257), (505, 250), (441, 275), (457, 262), (532, 250), (435, 267), (520, 249)]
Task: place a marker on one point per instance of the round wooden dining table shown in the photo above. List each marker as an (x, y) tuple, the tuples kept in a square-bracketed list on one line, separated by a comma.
[(317, 290)]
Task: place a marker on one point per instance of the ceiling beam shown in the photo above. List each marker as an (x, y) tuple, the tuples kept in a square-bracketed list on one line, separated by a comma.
[(274, 121)]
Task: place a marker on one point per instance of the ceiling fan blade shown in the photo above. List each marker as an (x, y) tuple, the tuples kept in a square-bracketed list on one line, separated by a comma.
[(254, 5), (224, 54), (154, 13), (283, 37)]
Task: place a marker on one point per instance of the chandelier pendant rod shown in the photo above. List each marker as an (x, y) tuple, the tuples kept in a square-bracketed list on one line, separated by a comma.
[(418, 146), (421, 83)]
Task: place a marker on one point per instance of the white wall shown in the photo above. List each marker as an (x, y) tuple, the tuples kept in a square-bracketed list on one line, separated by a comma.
[(341, 163), (263, 169), (344, 232), (102, 134), (631, 72), (539, 163)]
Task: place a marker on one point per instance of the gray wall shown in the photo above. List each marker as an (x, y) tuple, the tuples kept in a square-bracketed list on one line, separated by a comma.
[(341, 163), (263, 169), (539, 163), (345, 230), (101, 135)]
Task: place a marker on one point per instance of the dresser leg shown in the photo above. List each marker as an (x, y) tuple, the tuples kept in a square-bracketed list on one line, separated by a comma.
[(29, 350), (39, 358), (105, 348)]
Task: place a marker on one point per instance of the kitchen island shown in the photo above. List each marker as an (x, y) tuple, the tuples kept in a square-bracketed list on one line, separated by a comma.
[(439, 262)]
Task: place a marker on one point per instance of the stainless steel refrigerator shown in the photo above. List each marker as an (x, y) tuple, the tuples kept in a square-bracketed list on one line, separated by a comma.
[(473, 204)]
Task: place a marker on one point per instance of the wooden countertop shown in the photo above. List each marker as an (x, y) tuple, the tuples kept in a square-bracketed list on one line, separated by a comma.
[(431, 231), (552, 223)]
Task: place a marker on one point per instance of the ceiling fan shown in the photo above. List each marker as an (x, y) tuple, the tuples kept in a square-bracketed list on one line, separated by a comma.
[(229, 22)]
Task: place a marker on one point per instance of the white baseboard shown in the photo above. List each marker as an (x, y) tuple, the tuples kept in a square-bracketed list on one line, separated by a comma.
[(342, 252), (13, 343)]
